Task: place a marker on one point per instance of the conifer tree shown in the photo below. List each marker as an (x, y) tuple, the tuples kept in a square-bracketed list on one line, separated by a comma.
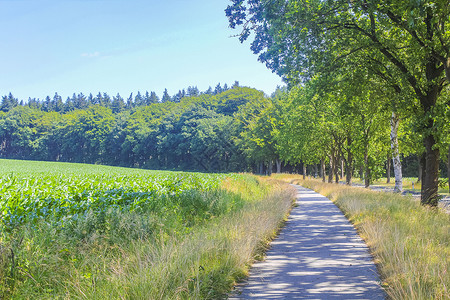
[(165, 97)]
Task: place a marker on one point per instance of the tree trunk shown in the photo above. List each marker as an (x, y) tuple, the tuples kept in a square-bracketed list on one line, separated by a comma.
[(261, 168), (430, 181), (304, 171), (421, 164), (316, 171), (331, 171), (395, 122), (278, 166), (361, 172), (270, 167), (349, 163), (388, 169), (448, 168), (366, 167), (342, 168), (336, 168), (322, 170)]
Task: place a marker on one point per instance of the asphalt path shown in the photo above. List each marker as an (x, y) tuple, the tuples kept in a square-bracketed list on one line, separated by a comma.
[(318, 255)]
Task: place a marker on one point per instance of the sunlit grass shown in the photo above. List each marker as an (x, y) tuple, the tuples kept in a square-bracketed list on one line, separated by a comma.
[(410, 243), (409, 184)]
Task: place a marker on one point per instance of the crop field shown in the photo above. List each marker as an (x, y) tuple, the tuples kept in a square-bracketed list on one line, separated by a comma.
[(59, 192), (91, 232)]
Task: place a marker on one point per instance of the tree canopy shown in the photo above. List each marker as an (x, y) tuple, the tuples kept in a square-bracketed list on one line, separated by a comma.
[(406, 44)]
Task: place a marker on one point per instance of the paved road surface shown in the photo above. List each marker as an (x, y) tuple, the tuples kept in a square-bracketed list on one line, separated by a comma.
[(318, 255)]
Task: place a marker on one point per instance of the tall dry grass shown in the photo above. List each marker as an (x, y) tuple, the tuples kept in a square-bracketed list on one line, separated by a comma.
[(410, 243)]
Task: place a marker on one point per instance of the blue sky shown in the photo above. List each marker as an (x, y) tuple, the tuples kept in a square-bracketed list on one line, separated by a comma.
[(119, 46)]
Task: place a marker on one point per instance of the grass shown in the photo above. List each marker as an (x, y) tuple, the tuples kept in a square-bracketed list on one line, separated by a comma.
[(172, 236), (410, 243), (409, 184)]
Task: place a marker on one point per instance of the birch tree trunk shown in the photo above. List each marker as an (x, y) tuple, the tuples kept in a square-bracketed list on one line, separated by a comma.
[(388, 170), (448, 168), (395, 122)]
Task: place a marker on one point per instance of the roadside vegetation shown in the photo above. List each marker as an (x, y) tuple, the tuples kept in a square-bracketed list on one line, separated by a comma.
[(96, 232), (410, 184), (410, 243)]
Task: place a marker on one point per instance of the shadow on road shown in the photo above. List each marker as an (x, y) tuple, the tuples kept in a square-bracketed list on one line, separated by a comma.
[(318, 255)]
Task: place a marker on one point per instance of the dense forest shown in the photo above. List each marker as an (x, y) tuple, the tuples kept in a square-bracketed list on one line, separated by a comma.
[(189, 131), (304, 129)]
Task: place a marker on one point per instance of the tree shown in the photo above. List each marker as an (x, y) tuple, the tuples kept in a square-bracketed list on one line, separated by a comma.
[(8, 102), (410, 40), (209, 91), (117, 104), (58, 104), (80, 101), (218, 89), (139, 100), (130, 103), (165, 97), (47, 105), (154, 98), (150, 98), (192, 91), (178, 96)]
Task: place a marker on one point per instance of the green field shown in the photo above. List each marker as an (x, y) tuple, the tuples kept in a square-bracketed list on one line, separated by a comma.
[(89, 231), (60, 192)]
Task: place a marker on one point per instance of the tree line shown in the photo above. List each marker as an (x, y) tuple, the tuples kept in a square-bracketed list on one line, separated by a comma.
[(117, 103), (302, 129), (198, 132)]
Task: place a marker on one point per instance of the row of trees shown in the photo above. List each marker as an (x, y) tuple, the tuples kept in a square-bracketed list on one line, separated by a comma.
[(116, 103), (386, 61), (334, 131), (197, 133)]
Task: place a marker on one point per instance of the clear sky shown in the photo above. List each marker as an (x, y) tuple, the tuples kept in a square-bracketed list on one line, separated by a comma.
[(121, 46)]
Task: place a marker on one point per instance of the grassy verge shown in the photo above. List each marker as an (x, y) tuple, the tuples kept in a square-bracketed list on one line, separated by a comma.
[(143, 254), (410, 243), (409, 184)]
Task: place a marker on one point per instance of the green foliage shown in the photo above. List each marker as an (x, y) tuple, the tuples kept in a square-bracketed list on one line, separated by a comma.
[(196, 133), (97, 232), (403, 44), (65, 197)]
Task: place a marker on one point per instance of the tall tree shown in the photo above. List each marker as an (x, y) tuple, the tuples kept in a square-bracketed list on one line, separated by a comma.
[(165, 97), (117, 104), (139, 100), (58, 104), (8, 102)]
